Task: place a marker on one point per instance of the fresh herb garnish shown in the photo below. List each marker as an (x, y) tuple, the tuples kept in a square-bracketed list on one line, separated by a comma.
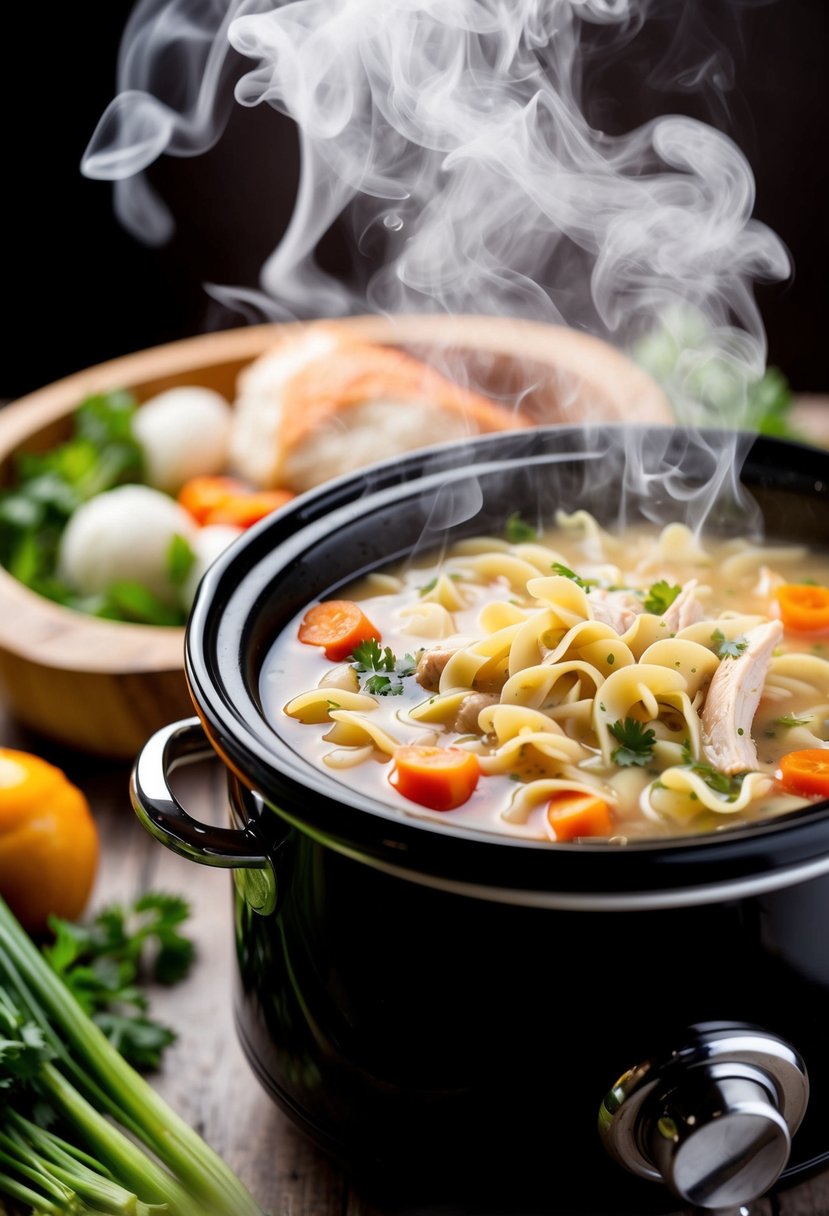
[(790, 721), (180, 558), (102, 964), (566, 572), (117, 1146), (433, 582), (517, 531), (660, 597), (728, 648), (101, 454), (636, 743), (385, 673), (721, 783)]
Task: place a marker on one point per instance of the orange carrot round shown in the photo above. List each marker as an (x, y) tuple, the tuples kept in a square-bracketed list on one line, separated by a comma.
[(806, 772), (571, 814), (441, 778), (804, 607), (244, 510), (338, 626), (201, 495)]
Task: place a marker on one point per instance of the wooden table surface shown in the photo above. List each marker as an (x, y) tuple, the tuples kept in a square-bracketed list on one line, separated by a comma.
[(205, 1076)]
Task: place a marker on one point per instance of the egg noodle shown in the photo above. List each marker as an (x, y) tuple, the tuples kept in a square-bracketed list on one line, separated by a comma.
[(648, 669)]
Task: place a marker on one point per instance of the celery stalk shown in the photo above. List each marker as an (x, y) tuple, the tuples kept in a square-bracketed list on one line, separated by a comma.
[(203, 1183)]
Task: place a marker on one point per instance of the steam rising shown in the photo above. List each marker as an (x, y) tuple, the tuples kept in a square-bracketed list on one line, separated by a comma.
[(454, 134)]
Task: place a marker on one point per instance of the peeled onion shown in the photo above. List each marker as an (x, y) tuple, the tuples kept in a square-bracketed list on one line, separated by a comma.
[(183, 433), (123, 534)]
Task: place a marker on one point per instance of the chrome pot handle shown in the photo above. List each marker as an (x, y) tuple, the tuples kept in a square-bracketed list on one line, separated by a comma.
[(165, 818)]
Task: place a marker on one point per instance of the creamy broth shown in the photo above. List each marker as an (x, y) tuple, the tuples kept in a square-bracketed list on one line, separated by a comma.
[(648, 670)]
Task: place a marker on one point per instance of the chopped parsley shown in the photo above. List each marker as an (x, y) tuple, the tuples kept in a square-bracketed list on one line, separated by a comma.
[(383, 673), (721, 783), (566, 572), (517, 531), (789, 720), (180, 558), (635, 743), (660, 597), (728, 648), (425, 588)]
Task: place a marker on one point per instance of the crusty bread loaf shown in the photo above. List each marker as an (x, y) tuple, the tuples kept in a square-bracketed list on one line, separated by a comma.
[(320, 404)]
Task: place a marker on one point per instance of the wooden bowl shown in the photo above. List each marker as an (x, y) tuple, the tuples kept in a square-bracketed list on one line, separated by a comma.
[(105, 686)]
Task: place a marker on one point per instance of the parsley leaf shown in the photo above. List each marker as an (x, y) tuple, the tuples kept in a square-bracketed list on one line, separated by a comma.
[(636, 743), (566, 572), (660, 597), (23, 1046), (728, 648), (790, 720), (370, 658), (180, 558), (102, 962), (721, 783), (517, 530)]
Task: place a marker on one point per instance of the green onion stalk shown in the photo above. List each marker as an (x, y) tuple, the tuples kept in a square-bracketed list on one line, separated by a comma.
[(96, 1092)]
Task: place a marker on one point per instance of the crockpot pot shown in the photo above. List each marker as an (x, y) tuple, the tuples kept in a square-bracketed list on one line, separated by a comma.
[(462, 1017)]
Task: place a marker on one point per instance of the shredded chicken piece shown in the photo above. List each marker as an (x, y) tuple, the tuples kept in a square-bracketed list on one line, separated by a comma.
[(732, 700), (466, 719), (685, 610), (618, 609), (430, 665)]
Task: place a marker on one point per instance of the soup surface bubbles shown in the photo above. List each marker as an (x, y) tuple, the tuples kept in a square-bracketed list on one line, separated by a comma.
[(571, 685)]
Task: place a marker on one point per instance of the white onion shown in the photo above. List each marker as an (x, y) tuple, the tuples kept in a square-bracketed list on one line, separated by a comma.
[(183, 433), (123, 534), (207, 544)]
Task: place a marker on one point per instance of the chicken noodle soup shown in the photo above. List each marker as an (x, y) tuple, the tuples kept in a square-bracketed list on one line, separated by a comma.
[(576, 684)]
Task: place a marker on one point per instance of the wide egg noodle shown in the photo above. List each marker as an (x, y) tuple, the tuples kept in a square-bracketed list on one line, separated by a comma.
[(677, 545), (547, 685), (694, 662), (598, 545), (680, 794), (353, 730), (527, 797), (320, 704), (441, 709), (504, 566), (447, 592), (427, 620), (803, 673), (751, 558), (467, 664), (643, 691)]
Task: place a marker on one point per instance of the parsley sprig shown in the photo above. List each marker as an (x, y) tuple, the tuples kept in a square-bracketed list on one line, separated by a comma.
[(789, 720), (517, 531), (635, 743), (728, 648), (103, 963), (566, 572), (660, 597), (381, 672), (729, 785)]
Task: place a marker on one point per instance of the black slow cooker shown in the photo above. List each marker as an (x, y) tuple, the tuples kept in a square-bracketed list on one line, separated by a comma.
[(461, 1019)]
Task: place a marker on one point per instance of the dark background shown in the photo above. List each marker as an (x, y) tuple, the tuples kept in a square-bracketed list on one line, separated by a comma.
[(79, 289)]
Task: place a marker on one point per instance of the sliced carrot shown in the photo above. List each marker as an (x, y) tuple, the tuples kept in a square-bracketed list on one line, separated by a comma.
[(571, 814), (806, 772), (804, 607), (441, 778), (338, 626), (201, 495), (244, 510)]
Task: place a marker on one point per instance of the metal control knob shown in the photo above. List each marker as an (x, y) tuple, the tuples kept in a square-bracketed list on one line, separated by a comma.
[(714, 1119)]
